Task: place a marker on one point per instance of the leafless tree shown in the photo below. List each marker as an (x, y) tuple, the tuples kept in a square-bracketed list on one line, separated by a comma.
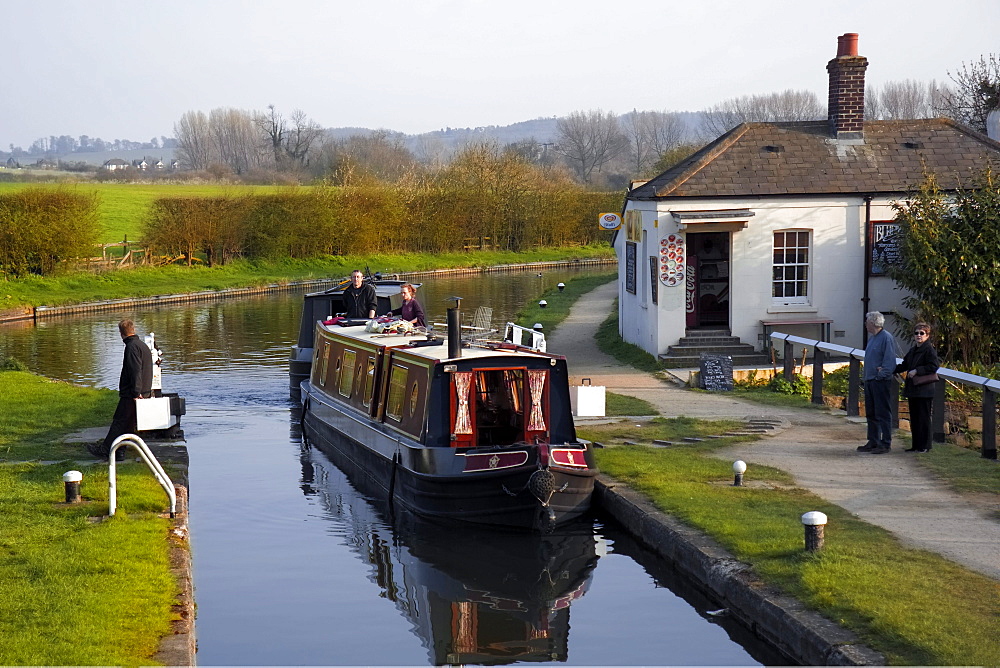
[(897, 100), (194, 141), (650, 134), (301, 135), (236, 139), (789, 105), (976, 92), (272, 126), (589, 139)]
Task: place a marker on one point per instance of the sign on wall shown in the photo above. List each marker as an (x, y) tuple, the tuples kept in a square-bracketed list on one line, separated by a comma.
[(633, 225), (884, 236), (630, 260), (654, 286), (609, 221), (672, 260)]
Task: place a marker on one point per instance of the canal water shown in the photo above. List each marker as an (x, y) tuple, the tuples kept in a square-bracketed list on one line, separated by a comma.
[(295, 566)]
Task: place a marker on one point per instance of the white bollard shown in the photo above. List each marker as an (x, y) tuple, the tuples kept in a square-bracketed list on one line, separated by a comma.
[(71, 481), (814, 522), (739, 468)]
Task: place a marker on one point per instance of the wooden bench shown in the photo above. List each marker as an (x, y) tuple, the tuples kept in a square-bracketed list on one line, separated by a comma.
[(823, 323)]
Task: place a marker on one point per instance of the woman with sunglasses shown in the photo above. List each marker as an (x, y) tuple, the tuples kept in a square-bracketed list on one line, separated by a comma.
[(920, 360)]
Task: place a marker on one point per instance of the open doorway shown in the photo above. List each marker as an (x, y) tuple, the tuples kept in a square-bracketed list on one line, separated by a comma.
[(708, 284)]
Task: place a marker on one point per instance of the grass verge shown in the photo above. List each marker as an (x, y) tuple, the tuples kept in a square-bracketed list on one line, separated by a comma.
[(80, 287), (610, 342), (559, 302), (622, 405), (912, 605), (75, 591)]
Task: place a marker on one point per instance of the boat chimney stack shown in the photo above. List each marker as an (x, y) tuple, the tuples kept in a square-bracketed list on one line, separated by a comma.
[(455, 329)]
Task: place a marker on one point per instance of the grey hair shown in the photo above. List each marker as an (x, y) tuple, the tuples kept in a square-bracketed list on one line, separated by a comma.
[(874, 318)]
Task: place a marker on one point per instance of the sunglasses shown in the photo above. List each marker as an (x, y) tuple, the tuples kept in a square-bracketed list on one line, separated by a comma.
[(919, 333)]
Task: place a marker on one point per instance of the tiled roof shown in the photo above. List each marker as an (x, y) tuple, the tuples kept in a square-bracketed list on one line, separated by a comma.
[(755, 159)]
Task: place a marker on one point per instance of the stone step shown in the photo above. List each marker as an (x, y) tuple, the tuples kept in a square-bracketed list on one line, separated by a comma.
[(738, 349), (709, 341), (707, 332), (693, 361)]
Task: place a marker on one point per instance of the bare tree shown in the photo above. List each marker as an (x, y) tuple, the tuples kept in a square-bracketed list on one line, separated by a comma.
[(272, 127), (976, 92), (194, 141), (236, 139), (650, 134), (589, 139), (789, 105), (897, 100), (300, 136)]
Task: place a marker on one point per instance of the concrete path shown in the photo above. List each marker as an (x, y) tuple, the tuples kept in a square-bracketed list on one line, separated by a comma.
[(817, 448)]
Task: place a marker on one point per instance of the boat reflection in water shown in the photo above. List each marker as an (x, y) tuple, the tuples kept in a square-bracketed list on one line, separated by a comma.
[(474, 595)]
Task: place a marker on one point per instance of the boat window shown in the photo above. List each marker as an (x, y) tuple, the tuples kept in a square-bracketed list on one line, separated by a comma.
[(397, 392), (499, 406), (347, 372), (369, 381), (324, 365), (414, 398)]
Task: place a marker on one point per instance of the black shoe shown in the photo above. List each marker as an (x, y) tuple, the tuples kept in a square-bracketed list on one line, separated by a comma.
[(880, 451), (867, 447), (120, 455), (914, 450), (923, 450), (95, 449)]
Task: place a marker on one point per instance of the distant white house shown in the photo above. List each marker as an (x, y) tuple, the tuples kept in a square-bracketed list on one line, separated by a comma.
[(114, 164), (780, 226)]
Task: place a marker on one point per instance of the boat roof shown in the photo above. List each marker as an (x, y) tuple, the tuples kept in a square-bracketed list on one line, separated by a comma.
[(436, 352)]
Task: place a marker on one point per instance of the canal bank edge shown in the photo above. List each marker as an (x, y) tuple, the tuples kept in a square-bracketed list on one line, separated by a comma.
[(801, 634), (42, 312)]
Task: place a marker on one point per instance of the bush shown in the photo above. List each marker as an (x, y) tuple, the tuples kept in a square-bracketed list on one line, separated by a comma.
[(799, 386), (42, 227)]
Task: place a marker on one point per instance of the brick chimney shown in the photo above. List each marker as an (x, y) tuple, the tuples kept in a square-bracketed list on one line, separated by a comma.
[(846, 108)]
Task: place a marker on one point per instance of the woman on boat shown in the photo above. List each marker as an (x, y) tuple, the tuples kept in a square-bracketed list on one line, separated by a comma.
[(411, 310)]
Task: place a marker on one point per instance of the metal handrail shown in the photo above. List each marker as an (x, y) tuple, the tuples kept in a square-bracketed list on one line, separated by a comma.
[(514, 334), (990, 386), (151, 462)]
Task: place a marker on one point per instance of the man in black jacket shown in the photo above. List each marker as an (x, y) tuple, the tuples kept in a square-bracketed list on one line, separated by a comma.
[(359, 298), (136, 382)]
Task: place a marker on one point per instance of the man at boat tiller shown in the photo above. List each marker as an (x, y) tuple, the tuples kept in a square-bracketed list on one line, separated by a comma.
[(359, 297)]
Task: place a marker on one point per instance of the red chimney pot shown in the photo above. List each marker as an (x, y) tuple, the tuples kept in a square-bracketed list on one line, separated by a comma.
[(847, 44)]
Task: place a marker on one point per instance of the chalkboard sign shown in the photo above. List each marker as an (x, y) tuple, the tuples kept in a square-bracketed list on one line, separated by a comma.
[(884, 245), (716, 372), (630, 267)]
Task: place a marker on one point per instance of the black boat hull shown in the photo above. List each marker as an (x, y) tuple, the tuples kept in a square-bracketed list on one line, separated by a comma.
[(436, 482)]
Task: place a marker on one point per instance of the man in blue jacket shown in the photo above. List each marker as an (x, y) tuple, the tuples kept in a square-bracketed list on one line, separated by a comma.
[(135, 382), (880, 362)]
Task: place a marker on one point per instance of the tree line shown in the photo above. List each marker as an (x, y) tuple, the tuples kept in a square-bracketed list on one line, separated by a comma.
[(487, 197)]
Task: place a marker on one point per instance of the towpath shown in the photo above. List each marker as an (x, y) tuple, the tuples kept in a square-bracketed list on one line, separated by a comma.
[(817, 448)]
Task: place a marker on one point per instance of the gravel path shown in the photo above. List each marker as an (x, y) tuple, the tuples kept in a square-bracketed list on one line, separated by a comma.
[(817, 448)]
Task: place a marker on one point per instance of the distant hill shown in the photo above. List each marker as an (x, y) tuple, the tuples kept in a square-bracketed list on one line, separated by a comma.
[(444, 141)]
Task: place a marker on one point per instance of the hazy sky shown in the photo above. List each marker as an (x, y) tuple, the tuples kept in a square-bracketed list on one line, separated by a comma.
[(129, 69)]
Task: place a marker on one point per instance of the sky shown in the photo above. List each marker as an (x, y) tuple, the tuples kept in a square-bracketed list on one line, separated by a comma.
[(121, 69)]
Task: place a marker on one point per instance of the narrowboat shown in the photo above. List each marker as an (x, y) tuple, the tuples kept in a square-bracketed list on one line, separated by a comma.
[(474, 431), (326, 303)]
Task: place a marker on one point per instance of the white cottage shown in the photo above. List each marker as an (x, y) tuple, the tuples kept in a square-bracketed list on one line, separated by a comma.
[(780, 226)]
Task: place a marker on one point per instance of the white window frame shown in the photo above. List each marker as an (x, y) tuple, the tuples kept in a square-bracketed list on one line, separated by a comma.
[(795, 273)]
